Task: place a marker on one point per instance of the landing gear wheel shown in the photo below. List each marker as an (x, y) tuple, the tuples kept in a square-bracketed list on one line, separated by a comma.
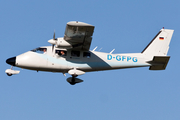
[(72, 83), (9, 74), (73, 80)]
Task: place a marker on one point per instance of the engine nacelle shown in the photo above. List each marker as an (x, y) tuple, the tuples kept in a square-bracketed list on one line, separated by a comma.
[(63, 43)]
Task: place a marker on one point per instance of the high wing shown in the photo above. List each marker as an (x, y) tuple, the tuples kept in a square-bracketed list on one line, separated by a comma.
[(79, 35)]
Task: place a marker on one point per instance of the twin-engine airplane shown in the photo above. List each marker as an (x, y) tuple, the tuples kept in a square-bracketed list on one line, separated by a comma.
[(71, 54)]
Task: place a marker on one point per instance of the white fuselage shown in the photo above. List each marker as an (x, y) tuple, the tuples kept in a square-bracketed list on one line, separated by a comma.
[(71, 54), (86, 61)]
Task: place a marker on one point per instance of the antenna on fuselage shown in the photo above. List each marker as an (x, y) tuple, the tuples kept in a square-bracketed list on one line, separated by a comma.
[(100, 49), (95, 48), (112, 51)]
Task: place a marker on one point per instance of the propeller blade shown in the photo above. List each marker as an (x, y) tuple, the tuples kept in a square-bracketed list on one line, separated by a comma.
[(52, 47), (54, 36), (53, 41)]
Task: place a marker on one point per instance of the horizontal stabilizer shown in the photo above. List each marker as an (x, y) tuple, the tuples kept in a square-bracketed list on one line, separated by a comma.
[(159, 62)]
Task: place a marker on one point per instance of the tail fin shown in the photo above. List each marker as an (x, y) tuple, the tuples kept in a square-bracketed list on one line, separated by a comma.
[(159, 46)]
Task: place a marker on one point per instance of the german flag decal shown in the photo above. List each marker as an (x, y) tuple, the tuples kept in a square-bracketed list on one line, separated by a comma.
[(161, 38)]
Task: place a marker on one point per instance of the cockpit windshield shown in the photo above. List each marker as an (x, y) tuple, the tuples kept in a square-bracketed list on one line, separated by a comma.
[(40, 50)]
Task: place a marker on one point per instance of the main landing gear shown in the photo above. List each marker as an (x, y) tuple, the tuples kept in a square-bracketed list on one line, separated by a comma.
[(73, 80), (74, 73)]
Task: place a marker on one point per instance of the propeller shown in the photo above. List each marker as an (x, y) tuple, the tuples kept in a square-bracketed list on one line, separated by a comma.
[(54, 40)]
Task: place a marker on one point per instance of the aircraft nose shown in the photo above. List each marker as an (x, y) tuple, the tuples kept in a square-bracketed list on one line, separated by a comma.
[(11, 61)]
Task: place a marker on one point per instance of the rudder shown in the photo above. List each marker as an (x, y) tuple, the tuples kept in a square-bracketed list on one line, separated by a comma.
[(159, 46)]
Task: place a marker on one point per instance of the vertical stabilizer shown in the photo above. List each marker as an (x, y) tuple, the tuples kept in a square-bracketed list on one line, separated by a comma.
[(159, 46)]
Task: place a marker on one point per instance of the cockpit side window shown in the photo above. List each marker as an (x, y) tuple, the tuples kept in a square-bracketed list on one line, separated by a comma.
[(40, 50), (75, 53), (86, 55), (61, 52)]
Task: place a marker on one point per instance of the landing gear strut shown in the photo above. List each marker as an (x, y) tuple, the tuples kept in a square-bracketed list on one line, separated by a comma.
[(74, 73), (73, 80)]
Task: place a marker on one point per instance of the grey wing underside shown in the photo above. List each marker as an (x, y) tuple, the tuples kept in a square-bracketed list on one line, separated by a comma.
[(79, 35)]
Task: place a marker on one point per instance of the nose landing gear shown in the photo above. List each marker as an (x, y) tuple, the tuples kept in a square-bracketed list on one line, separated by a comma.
[(11, 72)]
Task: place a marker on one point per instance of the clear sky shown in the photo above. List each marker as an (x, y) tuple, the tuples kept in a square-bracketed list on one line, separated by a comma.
[(126, 94)]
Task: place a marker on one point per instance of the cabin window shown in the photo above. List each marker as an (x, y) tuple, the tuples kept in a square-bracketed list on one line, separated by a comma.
[(75, 53), (61, 52), (40, 50), (86, 54)]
